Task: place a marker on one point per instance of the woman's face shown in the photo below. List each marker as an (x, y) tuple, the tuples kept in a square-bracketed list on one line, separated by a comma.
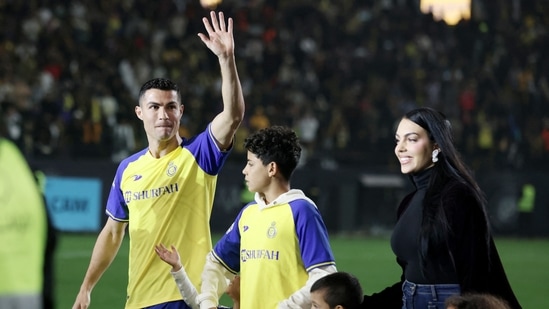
[(413, 147)]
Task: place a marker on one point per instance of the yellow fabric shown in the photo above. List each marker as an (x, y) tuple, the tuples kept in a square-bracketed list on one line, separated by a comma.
[(171, 211), (22, 225), (269, 235)]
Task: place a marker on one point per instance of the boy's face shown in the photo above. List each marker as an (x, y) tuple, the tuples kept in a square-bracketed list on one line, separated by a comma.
[(318, 302), (256, 175)]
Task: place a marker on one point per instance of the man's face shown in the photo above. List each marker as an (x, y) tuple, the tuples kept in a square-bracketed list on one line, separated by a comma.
[(160, 111)]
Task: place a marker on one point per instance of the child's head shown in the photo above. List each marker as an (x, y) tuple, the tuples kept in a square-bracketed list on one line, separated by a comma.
[(475, 301), (339, 290), (275, 145)]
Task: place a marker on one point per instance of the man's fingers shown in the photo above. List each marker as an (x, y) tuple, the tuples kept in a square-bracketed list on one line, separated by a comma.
[(207, 26), (230, 29), (215, 23), (222, 21)]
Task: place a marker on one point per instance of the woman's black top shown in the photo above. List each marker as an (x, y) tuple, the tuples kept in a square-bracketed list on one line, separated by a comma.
[(405, 242), (476, 263)]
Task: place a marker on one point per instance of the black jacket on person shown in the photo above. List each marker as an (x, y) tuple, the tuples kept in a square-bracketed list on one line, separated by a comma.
[(477, 262)]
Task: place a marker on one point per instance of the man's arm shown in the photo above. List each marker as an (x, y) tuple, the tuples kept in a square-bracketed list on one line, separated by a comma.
[(105, 249), (302, 297), (215, 279), (220, 41)]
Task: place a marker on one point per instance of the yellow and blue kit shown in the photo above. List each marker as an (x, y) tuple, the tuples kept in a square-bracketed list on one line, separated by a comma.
[(166, 200), (274, 247)]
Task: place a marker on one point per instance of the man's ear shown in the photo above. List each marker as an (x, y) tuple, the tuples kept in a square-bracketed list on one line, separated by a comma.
[(339, 307), (139, 112)]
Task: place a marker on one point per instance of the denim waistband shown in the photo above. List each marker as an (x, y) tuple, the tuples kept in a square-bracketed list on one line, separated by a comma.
[(445, 286), (424, 295)]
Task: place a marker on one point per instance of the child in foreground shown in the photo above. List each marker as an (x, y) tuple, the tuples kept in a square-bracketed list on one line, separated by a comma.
[(339, 290), (476, 301), (186, 288)]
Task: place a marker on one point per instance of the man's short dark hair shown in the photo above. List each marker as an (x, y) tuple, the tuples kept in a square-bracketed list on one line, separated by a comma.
[(162, 84)]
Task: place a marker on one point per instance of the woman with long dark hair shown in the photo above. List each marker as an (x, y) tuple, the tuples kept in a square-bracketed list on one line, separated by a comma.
[(442, 238)]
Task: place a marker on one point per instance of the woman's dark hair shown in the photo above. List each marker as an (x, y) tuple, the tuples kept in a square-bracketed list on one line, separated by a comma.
[(450, 167)]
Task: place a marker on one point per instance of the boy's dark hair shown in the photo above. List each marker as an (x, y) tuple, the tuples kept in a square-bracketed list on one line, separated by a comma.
[(162, 84), (340, 288), (277, 144), (476, 301)]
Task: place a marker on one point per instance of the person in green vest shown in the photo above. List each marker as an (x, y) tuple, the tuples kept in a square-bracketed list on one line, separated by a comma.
[(526, 205), (23, 234)]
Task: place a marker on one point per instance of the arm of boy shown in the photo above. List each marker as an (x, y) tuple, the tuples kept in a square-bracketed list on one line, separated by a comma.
[(233, 290), (215, 280), (184, 284), (301, 298)]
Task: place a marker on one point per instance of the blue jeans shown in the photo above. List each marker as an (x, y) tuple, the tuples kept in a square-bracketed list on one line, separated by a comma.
[(426, 296)]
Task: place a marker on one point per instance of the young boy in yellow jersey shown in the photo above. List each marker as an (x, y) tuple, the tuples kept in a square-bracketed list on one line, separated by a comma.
[(278, 243)]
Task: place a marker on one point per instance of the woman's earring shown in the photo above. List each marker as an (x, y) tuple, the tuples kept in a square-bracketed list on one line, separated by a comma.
[(435, 155)]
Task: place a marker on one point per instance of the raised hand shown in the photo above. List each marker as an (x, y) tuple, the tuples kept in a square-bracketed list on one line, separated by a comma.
[(170, 257), (220, 38)]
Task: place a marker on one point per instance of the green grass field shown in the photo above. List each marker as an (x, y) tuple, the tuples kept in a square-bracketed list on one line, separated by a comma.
[(370, 259)]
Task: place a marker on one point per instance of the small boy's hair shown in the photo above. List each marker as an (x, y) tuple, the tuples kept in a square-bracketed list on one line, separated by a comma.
[(340, 288), (476, 301)]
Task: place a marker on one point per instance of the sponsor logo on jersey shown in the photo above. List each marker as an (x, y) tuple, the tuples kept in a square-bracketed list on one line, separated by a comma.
[(150, 193), (259, 254)]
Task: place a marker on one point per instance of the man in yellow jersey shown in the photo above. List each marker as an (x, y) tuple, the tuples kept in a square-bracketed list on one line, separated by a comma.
[(23, 233), (278, 242), (165, 192)]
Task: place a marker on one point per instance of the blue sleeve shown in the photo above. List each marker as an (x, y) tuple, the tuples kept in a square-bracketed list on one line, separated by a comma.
[(227, 249), (206, 152), (117, 208), (312, 235)]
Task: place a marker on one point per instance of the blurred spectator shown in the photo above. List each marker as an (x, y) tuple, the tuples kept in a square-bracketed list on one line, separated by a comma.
[(123, 142), (306, 129), (258, 120), (81, 64)]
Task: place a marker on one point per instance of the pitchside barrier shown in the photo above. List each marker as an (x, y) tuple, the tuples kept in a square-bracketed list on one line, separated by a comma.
[(351, 200)]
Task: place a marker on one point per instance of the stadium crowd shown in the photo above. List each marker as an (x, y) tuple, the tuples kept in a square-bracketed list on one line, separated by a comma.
[(340, 72)]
